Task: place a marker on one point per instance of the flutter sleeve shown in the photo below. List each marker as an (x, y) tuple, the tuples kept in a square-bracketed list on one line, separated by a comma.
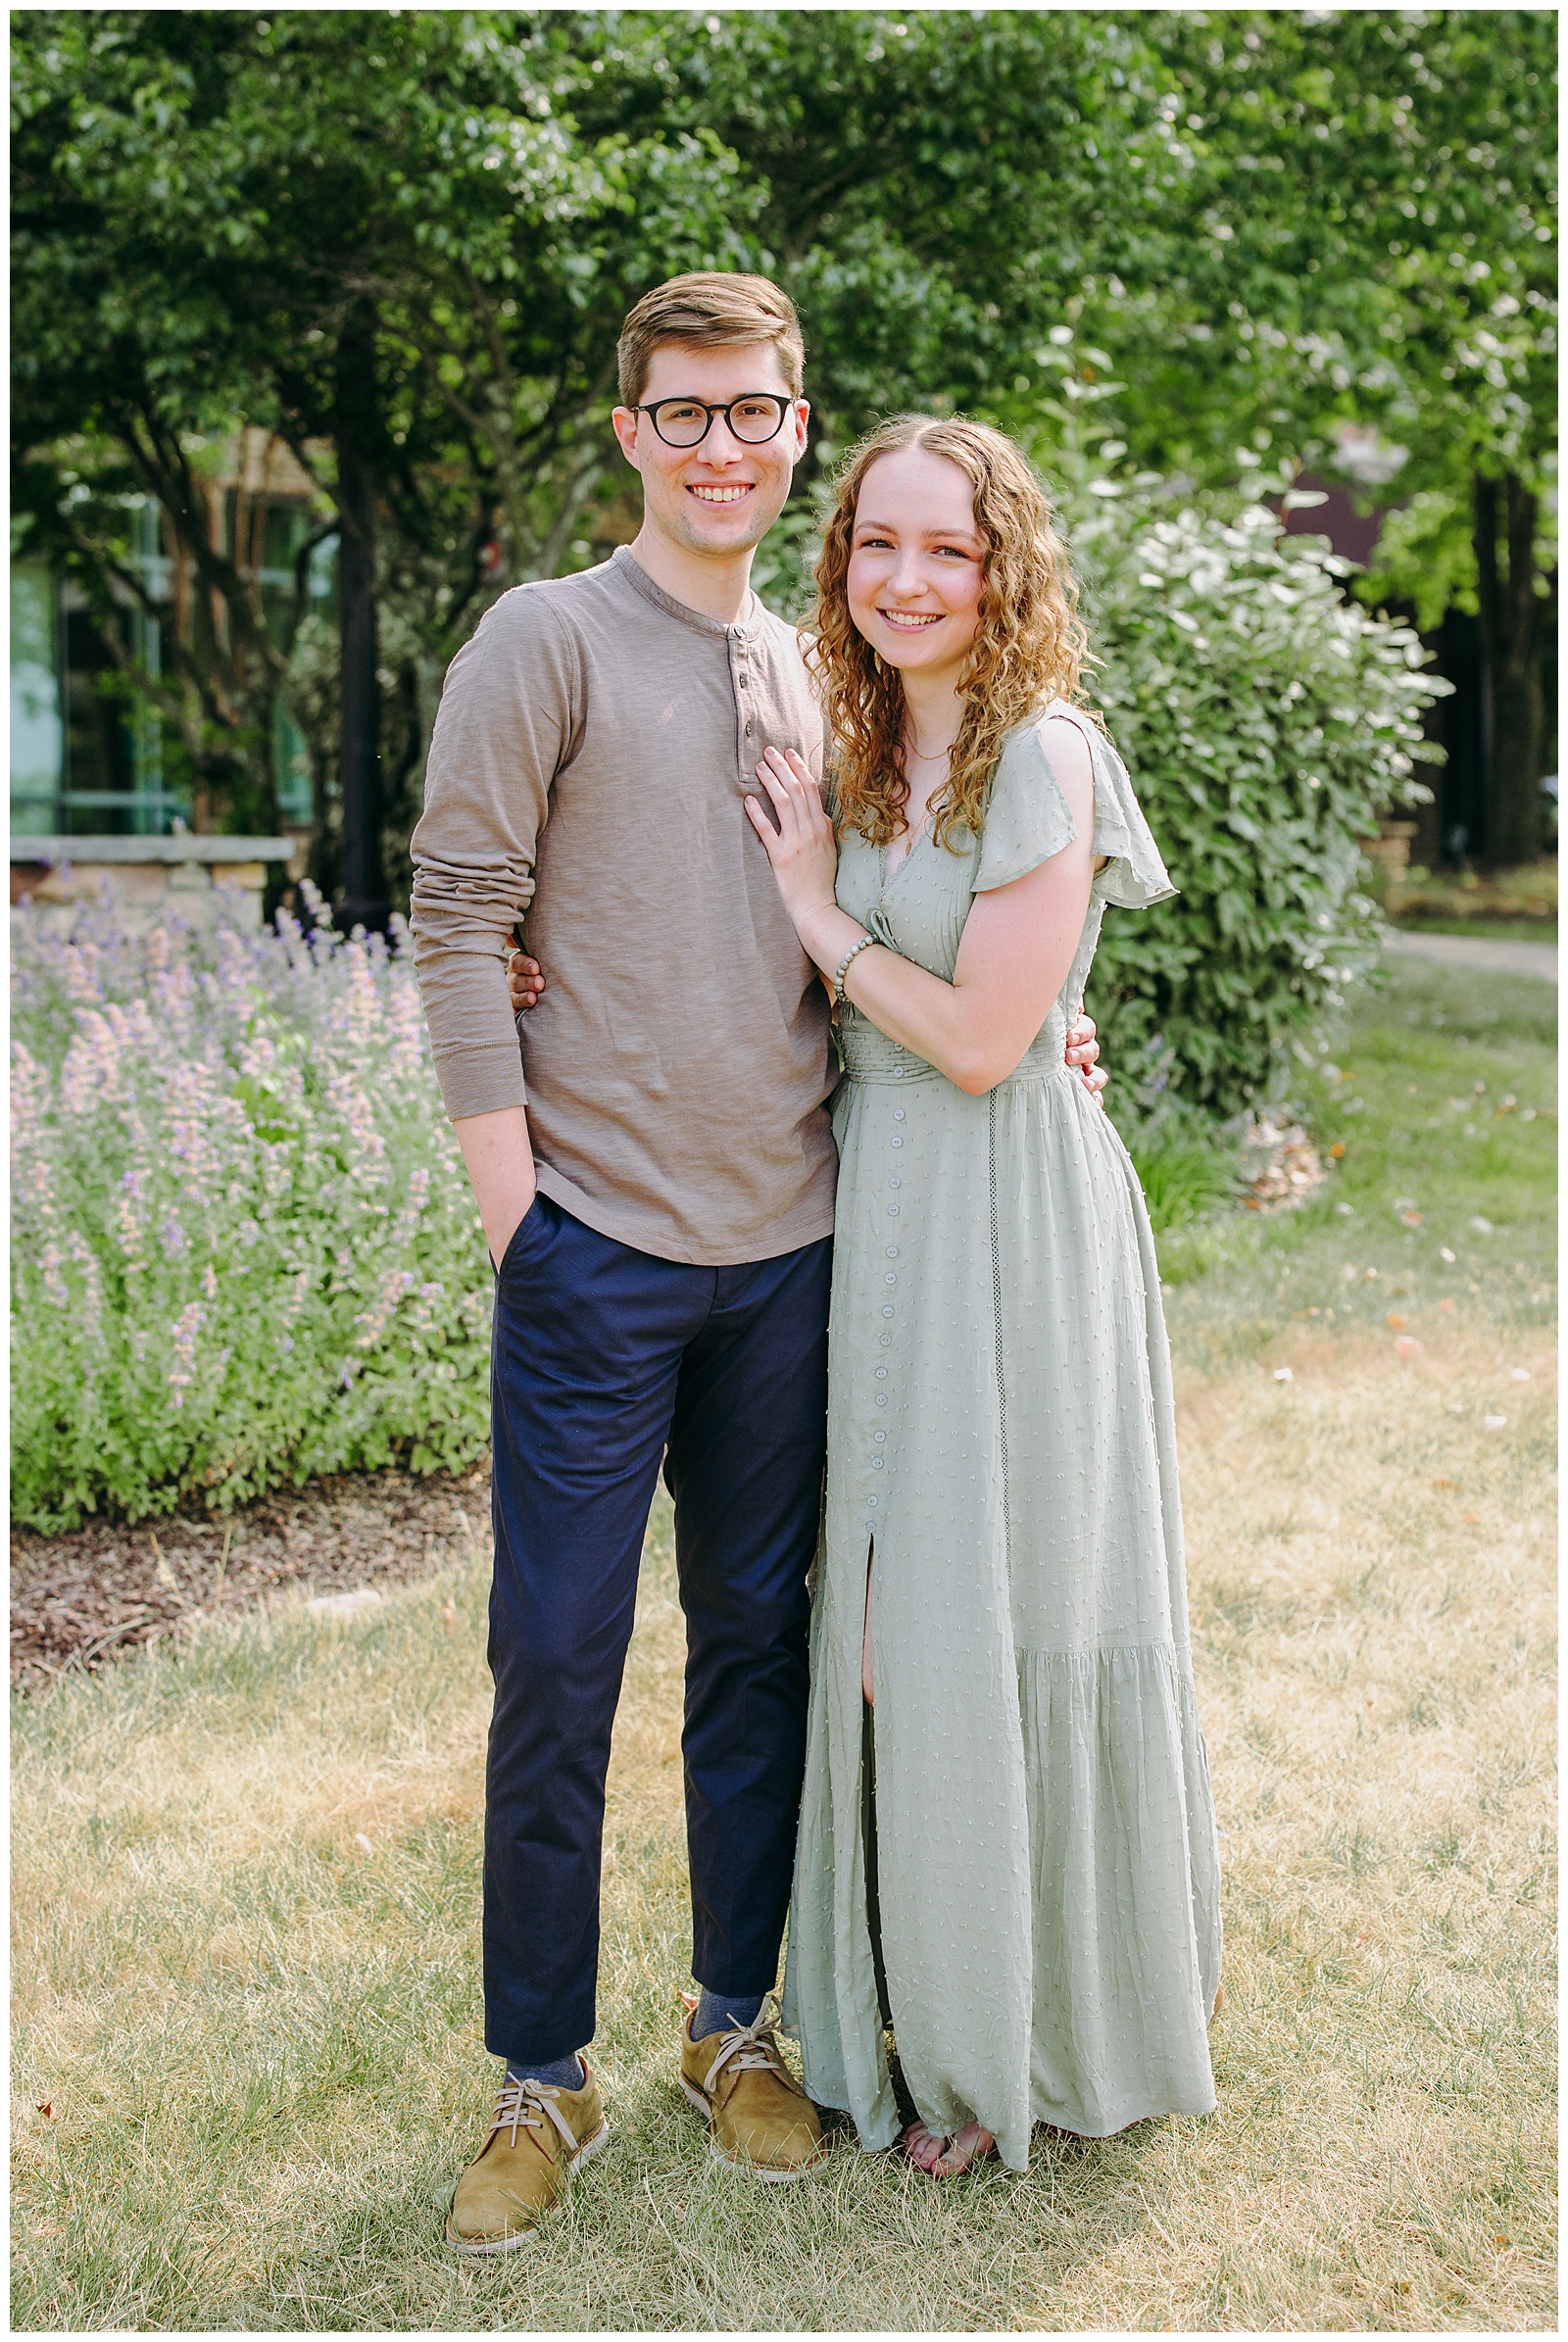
[(1028, 818)]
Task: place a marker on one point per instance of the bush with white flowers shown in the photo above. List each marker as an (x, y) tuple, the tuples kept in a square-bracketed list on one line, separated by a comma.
[(1266, 721), (243, 1245)]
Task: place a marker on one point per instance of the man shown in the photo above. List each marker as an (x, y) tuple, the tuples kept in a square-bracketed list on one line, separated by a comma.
[(659, 1204)]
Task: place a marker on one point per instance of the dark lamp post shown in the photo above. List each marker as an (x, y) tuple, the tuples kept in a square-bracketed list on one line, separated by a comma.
[(361, 899)]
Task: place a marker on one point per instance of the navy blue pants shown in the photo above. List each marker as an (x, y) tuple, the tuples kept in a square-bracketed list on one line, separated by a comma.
[(606, 1360)]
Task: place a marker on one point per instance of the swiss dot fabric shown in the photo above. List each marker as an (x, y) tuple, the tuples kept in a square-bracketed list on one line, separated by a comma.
[(1000, 1430)]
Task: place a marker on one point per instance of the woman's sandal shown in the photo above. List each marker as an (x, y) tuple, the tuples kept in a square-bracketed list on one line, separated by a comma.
[(948, 2141)]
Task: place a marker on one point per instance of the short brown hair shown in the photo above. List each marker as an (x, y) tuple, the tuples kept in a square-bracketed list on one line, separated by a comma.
[(708, 308)]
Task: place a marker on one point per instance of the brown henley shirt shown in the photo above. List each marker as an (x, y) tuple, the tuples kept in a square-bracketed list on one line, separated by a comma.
[(593, 742)]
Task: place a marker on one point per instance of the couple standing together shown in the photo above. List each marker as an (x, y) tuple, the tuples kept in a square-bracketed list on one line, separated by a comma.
[(985, 1804)]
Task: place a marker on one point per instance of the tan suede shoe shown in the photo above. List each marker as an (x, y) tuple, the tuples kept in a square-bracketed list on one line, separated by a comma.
[(758, 2118), (537, 2141)]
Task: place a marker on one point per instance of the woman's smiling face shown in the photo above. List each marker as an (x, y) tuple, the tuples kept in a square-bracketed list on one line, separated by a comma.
[(917, 562)]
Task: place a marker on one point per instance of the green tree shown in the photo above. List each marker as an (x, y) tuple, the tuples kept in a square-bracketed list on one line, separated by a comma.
[(1362, 233), (404, 241), (376, 235), (931, 187)]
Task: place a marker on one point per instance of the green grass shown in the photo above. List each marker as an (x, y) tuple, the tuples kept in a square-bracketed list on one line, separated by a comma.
[(245, 1883), (1513, 931), (1424, 1066), (1183, 1179), (1527, 892)]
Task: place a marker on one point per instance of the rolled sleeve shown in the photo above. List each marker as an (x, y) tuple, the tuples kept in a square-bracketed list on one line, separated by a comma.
[(506, 724)]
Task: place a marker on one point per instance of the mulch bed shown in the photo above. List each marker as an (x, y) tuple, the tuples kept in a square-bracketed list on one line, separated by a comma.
[(86, 1598)]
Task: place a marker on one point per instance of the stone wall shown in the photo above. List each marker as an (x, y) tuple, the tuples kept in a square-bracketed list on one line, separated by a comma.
[(146, 879)]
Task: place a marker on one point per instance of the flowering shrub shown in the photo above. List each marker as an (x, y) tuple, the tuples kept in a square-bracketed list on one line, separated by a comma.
[(243, 1245), (1266, 721)]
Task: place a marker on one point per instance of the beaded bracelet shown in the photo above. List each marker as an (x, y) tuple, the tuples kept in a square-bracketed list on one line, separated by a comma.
[(843, 968)]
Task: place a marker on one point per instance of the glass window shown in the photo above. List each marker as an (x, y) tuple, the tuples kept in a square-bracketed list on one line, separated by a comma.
[(38, 739), (291, 768), (88, 756)]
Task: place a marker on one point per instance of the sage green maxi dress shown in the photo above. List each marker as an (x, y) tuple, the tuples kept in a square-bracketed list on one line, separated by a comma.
[(1001, 1431)]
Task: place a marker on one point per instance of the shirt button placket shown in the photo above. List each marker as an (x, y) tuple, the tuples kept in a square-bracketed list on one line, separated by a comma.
[(745, 707)]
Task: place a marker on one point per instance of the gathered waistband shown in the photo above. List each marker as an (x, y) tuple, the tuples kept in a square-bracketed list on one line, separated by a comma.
[(870, 1056)]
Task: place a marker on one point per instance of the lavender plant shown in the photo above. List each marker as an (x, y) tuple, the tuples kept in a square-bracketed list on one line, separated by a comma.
[(243, 1246)]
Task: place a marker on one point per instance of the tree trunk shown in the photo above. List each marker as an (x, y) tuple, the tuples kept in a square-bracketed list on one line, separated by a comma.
[(1510, 621), (361, 897)]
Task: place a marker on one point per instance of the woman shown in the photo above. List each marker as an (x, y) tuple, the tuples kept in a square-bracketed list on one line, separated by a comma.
[(1007, 1847)]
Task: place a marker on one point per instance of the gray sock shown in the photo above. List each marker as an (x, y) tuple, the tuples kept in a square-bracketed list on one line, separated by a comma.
[(564, 2074), (720, 2012)]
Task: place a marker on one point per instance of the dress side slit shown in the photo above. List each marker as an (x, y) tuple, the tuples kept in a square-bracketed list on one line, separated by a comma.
[(873, 1909)]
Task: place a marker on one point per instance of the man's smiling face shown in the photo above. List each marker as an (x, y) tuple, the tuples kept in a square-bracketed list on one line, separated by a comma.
[(721, 498)]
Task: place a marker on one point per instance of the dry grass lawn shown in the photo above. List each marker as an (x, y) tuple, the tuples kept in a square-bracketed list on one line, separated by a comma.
[(245, 1900), (245, 1893)]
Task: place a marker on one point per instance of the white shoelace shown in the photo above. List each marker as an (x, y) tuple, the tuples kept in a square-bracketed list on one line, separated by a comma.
[(752, 2047), (524, 2105)]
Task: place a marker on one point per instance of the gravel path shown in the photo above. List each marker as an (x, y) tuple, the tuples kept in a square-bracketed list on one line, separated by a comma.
[(1479, 952), (91, 1596)]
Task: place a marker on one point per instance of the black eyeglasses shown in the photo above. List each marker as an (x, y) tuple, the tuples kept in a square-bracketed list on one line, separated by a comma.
[(754, 419)]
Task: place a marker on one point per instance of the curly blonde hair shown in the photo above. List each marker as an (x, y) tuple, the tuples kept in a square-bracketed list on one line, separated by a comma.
[(1030, 645)]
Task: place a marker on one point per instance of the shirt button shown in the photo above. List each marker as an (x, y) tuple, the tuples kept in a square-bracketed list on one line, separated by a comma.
[(871, 1500), (898, 1070), (881, 1398), (881, 1374), (878, 1463), (893, 1252), (890, 1277), (885, 1340), (888, 1313), (898, 1142), (898, 1116), (895, 1183), (742, 677), (879, 1434), (748, 731)]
